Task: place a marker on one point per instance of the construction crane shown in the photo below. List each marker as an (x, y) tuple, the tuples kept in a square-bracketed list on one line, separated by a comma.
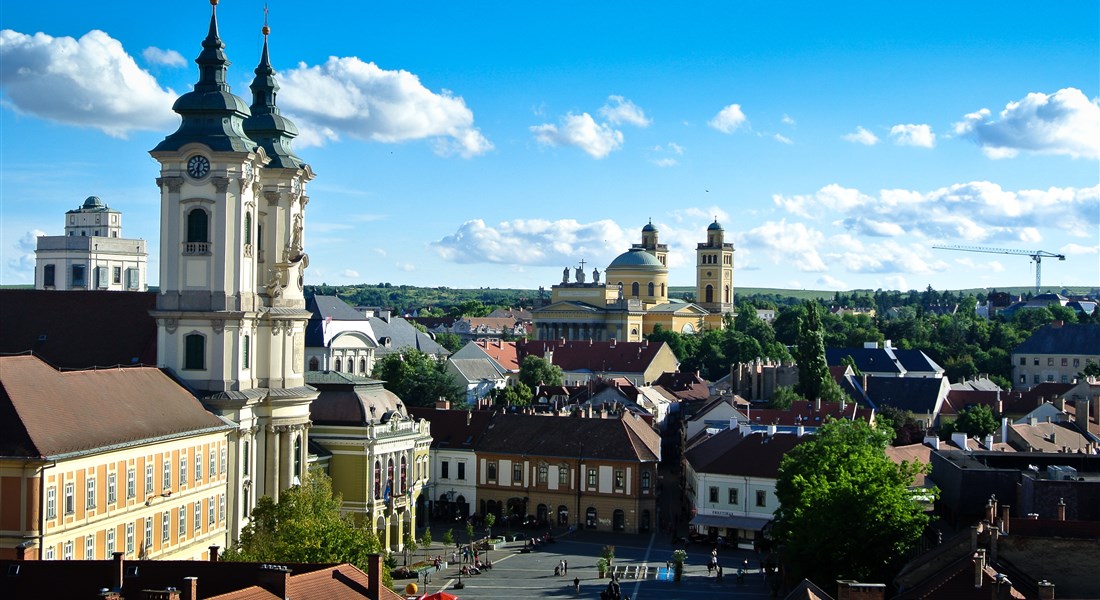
[(1036, 255)]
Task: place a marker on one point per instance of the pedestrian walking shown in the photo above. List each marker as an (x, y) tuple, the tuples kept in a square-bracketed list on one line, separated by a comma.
[(564, 566)]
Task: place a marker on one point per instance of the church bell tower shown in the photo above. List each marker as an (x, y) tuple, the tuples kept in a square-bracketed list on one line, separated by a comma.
[(714, 272), (230, 314)]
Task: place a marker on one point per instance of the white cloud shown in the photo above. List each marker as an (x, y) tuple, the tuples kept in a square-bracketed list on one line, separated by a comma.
[(973, 212), (831, 283), (619, 110), (920, 136), (674, 147), (729, 119), (1079, 249), (787, 120), (346, 96), (861, 136), (23, 261), (1065, 122), (167, 58), (896, 282), (406, 267), (790, 244), (782, 139), (665, 162), (90, 82), (350, 273), (582, 131), (534, 242)]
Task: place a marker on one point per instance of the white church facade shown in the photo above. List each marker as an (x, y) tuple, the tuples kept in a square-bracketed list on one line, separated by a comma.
[(92, 254)]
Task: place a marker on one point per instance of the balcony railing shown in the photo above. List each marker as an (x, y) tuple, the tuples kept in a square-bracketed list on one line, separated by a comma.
[(196, 248)]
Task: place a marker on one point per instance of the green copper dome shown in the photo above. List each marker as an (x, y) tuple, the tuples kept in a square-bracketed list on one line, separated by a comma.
[(636, 258), (93, 202), (211, 114), (714, 226)]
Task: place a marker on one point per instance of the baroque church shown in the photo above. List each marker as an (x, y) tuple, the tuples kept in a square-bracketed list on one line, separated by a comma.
[(633, 298), (231, 315)]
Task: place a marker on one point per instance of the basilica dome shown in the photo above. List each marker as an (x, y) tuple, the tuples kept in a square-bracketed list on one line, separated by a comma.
[(637, 258)]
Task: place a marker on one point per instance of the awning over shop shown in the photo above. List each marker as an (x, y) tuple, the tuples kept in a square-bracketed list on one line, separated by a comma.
[(729, 522)]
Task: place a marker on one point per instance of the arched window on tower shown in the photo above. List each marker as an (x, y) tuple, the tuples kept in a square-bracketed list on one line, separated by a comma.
[(634, 289), (377, 479), (248, 233), (314, 364), (362, 366), (198, 232), (726, 295), (662, 290), (404, 476), (708, 294), (298, 459), (651, 287), (194, 355), (336, 365)]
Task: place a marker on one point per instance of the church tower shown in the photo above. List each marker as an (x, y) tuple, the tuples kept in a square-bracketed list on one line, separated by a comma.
[(714, 272), (651, 245), (230, 313)]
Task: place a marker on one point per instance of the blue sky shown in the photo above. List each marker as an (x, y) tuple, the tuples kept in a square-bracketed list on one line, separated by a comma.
[(493, 143)]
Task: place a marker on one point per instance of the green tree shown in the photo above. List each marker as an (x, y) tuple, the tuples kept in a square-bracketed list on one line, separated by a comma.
[(417, 378), (1091, 370), (535, 371), (449, 537), (409, 544), (783, 398), (305, 525), (845, 509), (814, 380), (450, 341), (426, 539), (513, 395), (976, 421), (490, 520), (469, 532)]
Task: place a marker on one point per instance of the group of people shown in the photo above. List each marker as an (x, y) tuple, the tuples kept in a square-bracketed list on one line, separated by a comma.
[(562, 568), (714, 567)]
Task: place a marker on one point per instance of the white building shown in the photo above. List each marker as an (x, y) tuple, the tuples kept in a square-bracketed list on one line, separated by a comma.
[(731, 483), (92, 255)]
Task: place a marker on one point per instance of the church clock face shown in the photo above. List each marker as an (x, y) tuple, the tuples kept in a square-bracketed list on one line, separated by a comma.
[(198, 166)]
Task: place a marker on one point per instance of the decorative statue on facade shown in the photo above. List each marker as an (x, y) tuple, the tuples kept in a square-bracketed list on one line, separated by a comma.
[(565, 275), (595, 275)]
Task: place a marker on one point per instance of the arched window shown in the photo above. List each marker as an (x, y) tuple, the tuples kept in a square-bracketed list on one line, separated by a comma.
[(390, 488), (590, 517), (634, 289), (245, 352), (351, 365), (645, 482), (726, 295), (198, 226), (662, 289), (336, 365), (248, 228), (404, 476), (708, 294), (377, 479), (651, 288), (314, 364), (194, 352), (363, 366)]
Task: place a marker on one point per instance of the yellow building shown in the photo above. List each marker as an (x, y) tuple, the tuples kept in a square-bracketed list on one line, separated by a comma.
[(110, 460), (633, 298), (379, 454)]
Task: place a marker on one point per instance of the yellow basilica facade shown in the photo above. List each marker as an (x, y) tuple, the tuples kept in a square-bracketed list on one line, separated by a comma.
[(633, 298)]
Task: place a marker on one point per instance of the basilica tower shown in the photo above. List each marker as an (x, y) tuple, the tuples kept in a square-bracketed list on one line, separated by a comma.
[(230, 313), (714, 272)]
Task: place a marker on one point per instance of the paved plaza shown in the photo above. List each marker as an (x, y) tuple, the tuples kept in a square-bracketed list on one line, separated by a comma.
[(640, 562)]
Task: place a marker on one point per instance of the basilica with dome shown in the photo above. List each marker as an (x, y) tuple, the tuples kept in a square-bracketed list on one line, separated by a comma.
[(632, 297)]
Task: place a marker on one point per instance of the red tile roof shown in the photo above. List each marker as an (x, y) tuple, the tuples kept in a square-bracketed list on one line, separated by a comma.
[(49, 413), (505, 353), (79, 330), (592, 356)]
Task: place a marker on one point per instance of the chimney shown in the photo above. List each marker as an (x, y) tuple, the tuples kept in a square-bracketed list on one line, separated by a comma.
[(979, 568), (991, 510), (442, 403), (190, 589), (274, 579), (374, 575), (853, 590), (1004, 430), (817, 404), (959, 439), (214, 553), (1060, 404), (1061, 509), (469, 417), (989, 442), (1046, 590), (1082, 410), (772, 430), (932, 442), (1006, 514), (118, 570)]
